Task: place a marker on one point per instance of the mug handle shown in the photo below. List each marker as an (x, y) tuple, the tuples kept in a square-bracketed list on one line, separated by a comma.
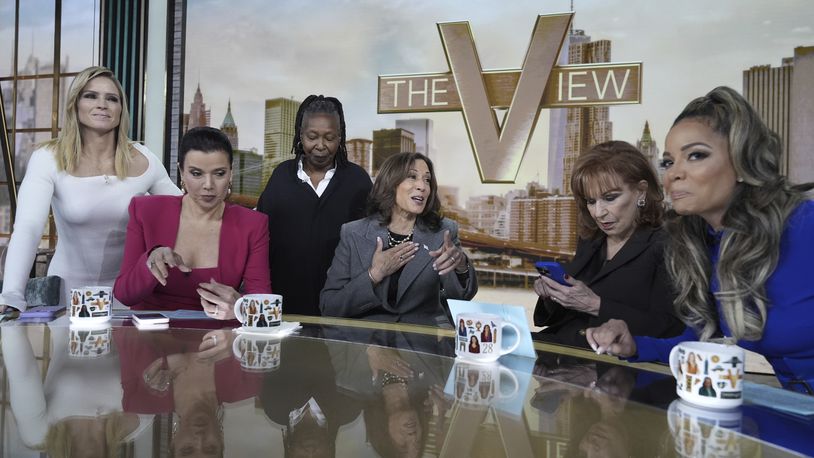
[(235, 348), (516, 343), (673, 360), (504, 369), (238, 315)]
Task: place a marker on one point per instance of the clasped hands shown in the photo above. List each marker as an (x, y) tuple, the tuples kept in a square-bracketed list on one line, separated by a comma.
[(448, 257), (217, 299), (578, 296)]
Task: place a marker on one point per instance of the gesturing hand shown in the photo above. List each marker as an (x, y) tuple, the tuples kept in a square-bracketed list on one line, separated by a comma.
[(387, 360), (577, 297), (161, 260), (448, 257), (384, 263), (613, 338), (218, 300)]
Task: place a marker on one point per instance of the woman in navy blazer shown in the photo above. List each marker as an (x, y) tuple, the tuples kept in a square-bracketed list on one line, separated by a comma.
[(194, 250), (393, 265)]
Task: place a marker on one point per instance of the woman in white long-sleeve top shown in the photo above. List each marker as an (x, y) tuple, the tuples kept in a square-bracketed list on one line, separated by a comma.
[(88, 174)]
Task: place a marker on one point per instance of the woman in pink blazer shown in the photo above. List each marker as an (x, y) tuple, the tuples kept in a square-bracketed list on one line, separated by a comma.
[(195, 250)]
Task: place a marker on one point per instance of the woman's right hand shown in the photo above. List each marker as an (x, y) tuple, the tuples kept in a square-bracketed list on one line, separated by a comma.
[(161, 260), (385, 263), (612, 338), (540, 288)]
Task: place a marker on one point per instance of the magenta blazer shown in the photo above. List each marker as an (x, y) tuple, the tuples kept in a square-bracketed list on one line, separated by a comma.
[(242, 257)]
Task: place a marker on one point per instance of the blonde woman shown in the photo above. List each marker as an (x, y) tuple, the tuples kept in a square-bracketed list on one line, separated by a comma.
[(88, 174)]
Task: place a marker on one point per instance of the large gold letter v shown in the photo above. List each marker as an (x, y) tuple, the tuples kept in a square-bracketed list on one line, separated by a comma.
[(499, 151)]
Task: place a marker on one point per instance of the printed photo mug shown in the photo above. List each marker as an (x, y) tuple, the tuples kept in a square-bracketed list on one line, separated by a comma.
[(90, 305), (259, 310), (708, 374), (479, 337)]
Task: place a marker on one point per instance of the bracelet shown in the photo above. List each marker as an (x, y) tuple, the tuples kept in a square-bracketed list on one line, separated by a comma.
[(370, 276)]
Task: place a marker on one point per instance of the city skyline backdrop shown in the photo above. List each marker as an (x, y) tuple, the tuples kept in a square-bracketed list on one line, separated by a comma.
[(679, 61)]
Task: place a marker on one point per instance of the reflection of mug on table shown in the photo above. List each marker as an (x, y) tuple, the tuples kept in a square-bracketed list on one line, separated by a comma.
[(259, 310), (257, 353), (704, 432), (88, 343), (708, 374), (479, 337), (90, 304), (482, 384)]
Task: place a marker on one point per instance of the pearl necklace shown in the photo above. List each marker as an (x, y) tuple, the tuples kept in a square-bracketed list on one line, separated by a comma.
[(397, 239)]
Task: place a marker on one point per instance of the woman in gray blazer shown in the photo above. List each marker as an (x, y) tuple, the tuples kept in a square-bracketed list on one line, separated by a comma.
[(394, 264)]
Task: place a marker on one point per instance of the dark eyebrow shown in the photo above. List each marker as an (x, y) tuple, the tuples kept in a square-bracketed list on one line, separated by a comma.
[(690, 145)]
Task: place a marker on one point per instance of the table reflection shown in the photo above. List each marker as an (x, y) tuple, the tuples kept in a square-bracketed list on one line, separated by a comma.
[(339, 390)]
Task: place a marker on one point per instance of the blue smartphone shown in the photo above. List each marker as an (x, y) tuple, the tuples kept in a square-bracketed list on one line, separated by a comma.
[(552, 270)]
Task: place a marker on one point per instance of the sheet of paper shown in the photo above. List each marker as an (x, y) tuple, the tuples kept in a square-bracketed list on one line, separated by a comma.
[(778, 399)]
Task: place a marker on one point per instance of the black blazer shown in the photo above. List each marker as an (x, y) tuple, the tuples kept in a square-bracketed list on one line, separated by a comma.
[(633, 286)]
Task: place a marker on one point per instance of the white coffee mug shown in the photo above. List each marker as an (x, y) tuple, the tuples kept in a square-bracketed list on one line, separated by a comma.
[(704, 432), (708, 374), (84, 342), (259, 310), (482, 384), (479, 336), (90, 305), (257, 353)]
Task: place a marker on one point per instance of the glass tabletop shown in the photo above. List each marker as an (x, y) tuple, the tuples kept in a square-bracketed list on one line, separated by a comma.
[(347, 388)]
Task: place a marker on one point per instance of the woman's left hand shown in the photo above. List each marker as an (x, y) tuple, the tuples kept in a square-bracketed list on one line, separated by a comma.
[(448, 257), (575, 297), (218, 300)]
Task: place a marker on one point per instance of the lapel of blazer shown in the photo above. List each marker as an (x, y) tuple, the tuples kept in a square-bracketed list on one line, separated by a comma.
[(167, 232), (581, 260), (230, 244), (422, 260), (367, 247), (637, 243)]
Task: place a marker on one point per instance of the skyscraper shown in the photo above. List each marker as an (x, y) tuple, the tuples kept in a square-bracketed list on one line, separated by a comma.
[(422, 130), (360, 152), (387, 142), (649, 148), (585, 126), (784, 98), (484, 213), (229, 127), (199, 115), (278, 133), (556, 133), (247, 167)]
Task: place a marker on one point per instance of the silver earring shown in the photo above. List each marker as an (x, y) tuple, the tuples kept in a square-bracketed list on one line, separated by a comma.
[(740, 180), (640, 203)]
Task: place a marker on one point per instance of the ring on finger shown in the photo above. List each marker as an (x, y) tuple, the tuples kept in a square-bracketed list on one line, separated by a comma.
[(401, 257)]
